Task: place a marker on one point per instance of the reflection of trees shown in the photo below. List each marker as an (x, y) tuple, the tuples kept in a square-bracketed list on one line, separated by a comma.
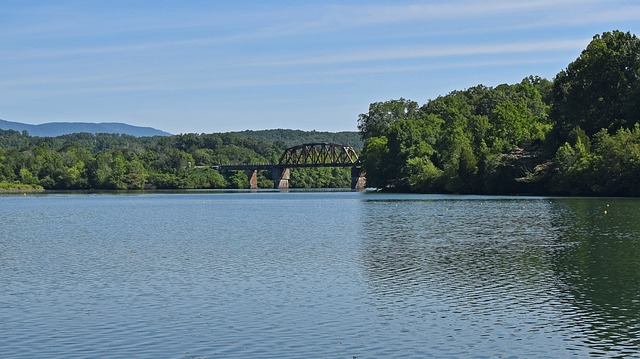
[(472, 242), (556, 268), (600, 269), (480, 265)]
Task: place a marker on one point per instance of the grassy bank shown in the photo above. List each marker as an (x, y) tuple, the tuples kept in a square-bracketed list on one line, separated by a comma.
[(19, 187)]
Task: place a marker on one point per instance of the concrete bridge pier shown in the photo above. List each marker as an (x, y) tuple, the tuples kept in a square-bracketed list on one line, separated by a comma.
[(253, 179), (281, 178), (358, 179)]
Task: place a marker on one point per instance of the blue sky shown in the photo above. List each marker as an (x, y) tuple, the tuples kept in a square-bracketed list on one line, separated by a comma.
[(217, 66)]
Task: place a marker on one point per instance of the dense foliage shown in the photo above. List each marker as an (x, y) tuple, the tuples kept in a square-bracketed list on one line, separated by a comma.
[(107, 161), (290, 138), (455, 142), (576, 135), (601, 88)]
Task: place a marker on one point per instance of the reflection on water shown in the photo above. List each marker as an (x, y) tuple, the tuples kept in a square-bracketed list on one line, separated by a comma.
[(511, 276), (291, 275), (601, 270)]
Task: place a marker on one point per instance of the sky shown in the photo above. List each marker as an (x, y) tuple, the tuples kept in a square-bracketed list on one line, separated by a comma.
[(216, 66)]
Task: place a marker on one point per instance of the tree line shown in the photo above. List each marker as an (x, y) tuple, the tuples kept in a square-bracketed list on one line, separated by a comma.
[(575, 135), (123, 162)]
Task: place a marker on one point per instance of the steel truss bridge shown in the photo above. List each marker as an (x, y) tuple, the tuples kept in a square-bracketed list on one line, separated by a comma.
[(308, 155)]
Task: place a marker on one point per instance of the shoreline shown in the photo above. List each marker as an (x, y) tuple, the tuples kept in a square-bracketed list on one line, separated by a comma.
[(21, 190)]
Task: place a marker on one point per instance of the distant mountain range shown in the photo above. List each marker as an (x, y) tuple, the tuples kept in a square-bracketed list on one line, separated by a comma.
[(53, 129)]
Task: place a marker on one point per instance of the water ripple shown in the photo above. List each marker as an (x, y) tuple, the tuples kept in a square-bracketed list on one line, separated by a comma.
[(290, 275)]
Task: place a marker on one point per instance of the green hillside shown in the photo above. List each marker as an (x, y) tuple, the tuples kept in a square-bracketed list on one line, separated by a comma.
[(290, 138), (576, 135), (113, 161)]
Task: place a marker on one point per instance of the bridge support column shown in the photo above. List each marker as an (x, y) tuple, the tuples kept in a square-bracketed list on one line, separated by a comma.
[(253, 179), (358, 179), (281, 177)]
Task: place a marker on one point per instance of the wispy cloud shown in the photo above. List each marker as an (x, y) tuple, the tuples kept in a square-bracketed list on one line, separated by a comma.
[(150, 84), (131, 54), (299, 21), (334, 18), (452, 9), (596, 15), (414, 52), (444, 65)]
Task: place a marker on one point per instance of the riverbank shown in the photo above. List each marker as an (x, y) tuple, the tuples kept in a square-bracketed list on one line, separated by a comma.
[(6, 187)]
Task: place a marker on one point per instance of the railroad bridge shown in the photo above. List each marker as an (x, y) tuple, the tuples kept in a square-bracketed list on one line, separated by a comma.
[(305, 156)]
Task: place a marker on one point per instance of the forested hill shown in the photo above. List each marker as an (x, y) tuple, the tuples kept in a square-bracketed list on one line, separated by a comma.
[(185, 161), (291, 138), (285, 137), (53, 129), (576, 135)]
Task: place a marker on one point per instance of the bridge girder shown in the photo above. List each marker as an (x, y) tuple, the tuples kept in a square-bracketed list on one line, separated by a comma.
[(319, 154), (307, 155)]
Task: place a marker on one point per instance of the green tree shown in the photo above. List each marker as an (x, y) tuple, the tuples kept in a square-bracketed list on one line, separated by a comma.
[(381, 115), (203, 178), (414, 137), (48, 165), (27, 177), (99, 170), (117, 178), (617, 169), (422, 175), (204, 157), (376, 162), (75, 160), (238, 180), (574, 168), (601, 88), (136, 174)]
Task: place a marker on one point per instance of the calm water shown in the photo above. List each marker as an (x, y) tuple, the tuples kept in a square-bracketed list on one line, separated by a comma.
[(317, 275)]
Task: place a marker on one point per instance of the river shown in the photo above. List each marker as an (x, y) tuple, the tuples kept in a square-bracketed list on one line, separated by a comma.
[(317, 275)]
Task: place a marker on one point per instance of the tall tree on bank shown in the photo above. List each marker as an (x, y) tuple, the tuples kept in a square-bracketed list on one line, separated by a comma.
[(382, 115), (601, 88)]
